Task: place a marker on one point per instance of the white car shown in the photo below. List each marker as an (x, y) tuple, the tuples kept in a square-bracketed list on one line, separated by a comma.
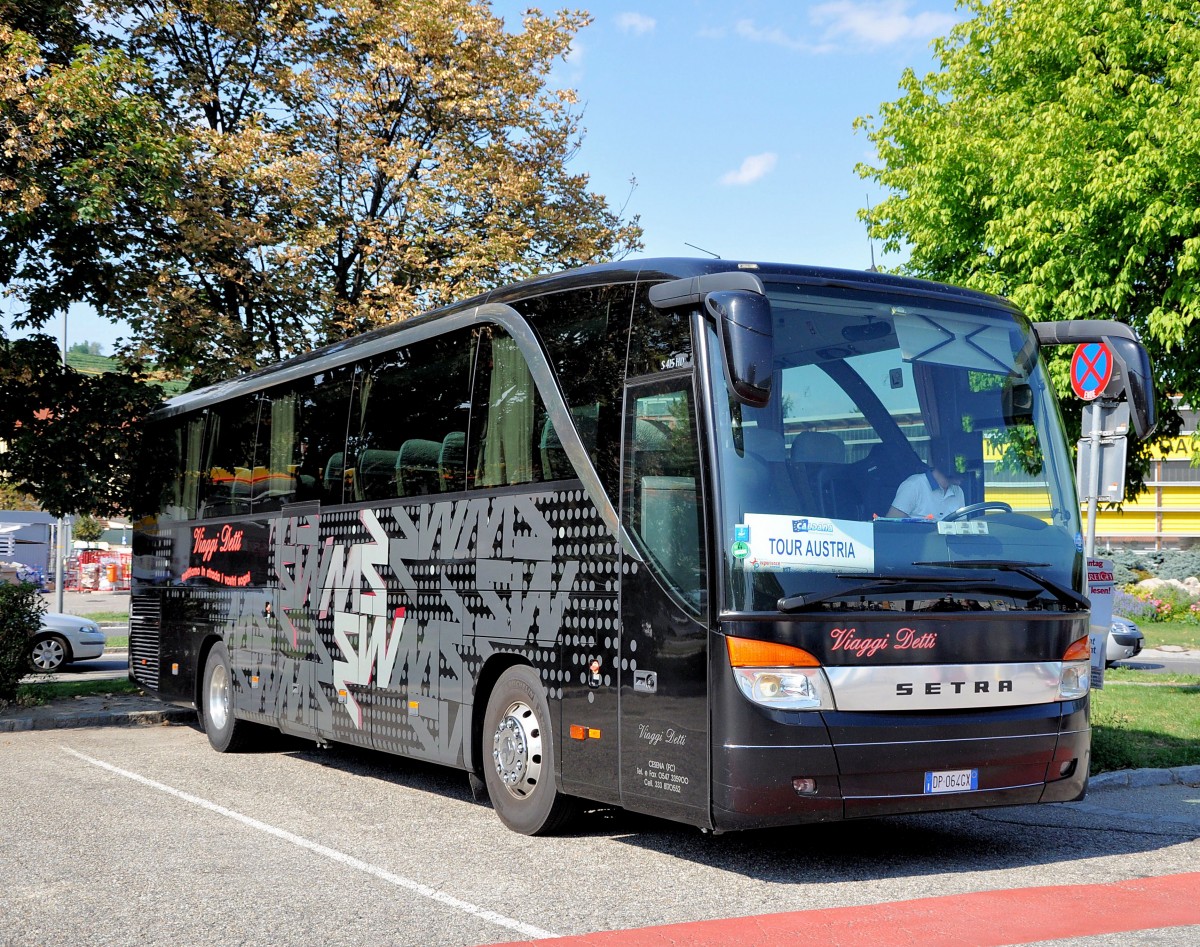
[(63, 639), (1125, 641)]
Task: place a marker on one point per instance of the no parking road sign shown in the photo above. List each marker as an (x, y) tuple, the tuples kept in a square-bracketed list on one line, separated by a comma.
[(1091, 369)]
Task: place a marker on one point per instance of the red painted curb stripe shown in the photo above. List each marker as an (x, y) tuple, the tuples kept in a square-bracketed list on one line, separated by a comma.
[(981, 919)]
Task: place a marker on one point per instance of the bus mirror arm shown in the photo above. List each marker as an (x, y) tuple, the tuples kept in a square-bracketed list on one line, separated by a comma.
[(1132, 376)]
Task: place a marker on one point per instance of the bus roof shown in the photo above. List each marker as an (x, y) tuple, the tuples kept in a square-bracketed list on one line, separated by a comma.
[(653, 269)]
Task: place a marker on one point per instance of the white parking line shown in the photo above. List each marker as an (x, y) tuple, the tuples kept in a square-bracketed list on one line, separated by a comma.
[(526, 930)]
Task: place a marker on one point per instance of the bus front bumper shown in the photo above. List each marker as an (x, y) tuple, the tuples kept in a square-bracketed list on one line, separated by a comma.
[(828, 766)]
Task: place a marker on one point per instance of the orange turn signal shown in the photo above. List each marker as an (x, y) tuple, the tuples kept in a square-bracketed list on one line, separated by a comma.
[(748, 652), (1080, 650)]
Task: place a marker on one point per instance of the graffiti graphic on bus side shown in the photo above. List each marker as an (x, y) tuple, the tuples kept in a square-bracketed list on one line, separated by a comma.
[(406, 596)]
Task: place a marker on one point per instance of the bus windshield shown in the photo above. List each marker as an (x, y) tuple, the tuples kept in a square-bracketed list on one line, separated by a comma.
[(911, 449)]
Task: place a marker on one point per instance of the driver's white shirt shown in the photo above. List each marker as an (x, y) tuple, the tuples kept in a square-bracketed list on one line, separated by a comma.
[(921, 496)]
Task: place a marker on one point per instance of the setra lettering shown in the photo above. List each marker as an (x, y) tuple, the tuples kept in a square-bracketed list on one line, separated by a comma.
[(935, 688)]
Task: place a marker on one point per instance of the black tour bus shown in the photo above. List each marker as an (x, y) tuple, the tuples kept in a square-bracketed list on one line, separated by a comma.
[(625, 535)]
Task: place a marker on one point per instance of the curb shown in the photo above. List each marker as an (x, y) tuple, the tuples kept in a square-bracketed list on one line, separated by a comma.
[(104, 718), (1142, 778)]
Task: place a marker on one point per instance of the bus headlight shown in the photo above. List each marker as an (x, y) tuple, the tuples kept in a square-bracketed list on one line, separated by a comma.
[(780, 676), (785, 688), (1076, 680)]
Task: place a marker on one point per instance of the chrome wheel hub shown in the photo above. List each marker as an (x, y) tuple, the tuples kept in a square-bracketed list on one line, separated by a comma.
[(218, 697), (517, 749)]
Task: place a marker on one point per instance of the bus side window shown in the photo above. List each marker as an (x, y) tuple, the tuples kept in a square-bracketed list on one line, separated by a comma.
[(184, 440), (411, 403), (322, 405), (509, 419), (585, 335), (228, 465), (273, 480), (662, 485)]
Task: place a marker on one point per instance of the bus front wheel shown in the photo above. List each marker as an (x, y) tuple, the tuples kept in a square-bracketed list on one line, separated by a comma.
[(225, 732), (518, 756)]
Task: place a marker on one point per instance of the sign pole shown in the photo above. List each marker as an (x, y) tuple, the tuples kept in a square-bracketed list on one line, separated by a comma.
[(1094, 478), (1091, 371)]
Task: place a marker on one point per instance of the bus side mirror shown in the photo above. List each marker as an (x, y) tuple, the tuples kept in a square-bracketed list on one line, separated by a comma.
[(747, 342), (1132, 377), (1131, 374)]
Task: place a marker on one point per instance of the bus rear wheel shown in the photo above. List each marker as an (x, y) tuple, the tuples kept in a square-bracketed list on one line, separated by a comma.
[(518, 752), (225, 732)]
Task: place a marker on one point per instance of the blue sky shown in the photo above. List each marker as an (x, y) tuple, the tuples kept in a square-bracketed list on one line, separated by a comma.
[(735, 119)]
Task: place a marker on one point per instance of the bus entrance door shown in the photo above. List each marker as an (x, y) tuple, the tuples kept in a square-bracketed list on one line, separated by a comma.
[(664, 678)]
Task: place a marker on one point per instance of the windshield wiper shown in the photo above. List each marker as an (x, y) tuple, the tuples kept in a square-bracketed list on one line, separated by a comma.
[(892, 582), (1061, 592)]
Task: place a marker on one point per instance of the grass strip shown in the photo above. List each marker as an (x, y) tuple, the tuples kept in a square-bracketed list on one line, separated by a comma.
[(1145, 720), (34, 694), (104, 616)]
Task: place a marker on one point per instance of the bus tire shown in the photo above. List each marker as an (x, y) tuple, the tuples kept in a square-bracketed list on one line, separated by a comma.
[(225, 732), (518, 756)]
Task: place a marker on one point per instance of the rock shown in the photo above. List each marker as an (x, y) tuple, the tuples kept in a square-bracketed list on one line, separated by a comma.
[(1153, 585)]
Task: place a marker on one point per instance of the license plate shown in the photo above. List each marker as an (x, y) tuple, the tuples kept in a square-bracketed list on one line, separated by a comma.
[(953, 780)]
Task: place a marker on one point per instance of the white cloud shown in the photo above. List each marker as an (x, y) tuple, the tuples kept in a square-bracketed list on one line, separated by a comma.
[(878, 23), (746, 29), (567, 73), (751, 170), (871, 23), (635, 23)]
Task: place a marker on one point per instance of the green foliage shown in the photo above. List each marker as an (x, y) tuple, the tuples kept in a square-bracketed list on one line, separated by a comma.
[(240, 180), (1145, 726), (20, 617), (1052, 158), (1129, 567), (72, 439), (1177, 565), (86, 172), (1166, 603), (87, 528)]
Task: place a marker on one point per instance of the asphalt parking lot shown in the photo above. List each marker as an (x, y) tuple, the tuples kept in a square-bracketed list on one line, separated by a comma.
[(141, 835)]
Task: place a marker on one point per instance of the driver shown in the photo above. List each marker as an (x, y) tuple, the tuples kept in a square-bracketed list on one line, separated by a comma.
[(932, 494)]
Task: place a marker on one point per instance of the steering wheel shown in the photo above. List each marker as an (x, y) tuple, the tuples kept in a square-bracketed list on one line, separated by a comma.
[(975, 509)]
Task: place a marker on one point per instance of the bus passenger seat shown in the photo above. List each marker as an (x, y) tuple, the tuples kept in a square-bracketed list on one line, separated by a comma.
[(335, 472), (416, 467), (819, 464), (375, 474), (452, 471), (764, 443), (555, 463)]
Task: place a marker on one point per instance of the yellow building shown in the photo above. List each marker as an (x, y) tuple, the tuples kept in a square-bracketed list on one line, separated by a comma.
[(1167, 515)]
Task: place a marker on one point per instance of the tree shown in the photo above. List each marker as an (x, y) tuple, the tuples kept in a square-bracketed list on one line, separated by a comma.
[(321, 169), (87, 528), (1054, 158), (71, 438), (244, 181), (86, 166)]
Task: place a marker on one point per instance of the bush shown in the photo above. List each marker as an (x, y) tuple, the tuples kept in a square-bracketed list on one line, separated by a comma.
[(1165, 603), (1130, 606), (20, 616), (1128, 567), (1179, 565)]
